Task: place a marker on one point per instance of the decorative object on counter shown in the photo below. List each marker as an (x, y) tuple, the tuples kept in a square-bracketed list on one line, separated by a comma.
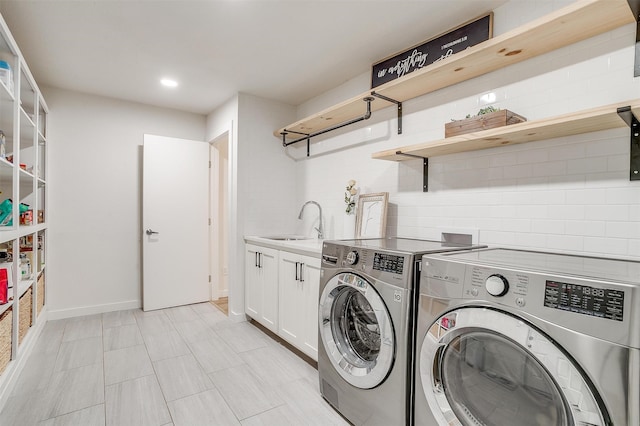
[(487, 118), (371, 217), (349, 220), (350, 197), (433, 50)]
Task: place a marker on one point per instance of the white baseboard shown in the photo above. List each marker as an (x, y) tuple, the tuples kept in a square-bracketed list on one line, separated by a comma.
[(93, 310)]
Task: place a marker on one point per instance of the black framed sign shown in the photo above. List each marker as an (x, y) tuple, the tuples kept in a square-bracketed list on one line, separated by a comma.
[(433, 50)]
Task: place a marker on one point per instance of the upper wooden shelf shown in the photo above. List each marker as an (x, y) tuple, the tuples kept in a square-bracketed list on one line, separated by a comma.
[(575, 123), (571, 24)]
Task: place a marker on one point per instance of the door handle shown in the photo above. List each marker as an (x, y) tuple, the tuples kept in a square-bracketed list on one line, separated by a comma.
[(301, 274), (297, 279), (151, 232)]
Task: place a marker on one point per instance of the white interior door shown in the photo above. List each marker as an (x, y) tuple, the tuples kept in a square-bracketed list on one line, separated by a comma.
[(175, 215)]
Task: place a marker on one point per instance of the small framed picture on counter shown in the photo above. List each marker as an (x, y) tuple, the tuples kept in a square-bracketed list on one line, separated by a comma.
[(371, 215)]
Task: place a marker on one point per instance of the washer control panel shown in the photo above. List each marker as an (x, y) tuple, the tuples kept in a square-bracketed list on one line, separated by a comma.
[(388, 263)]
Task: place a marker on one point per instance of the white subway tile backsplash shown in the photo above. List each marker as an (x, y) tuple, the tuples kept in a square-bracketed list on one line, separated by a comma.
[(550, 168), (586, 228), (618, 163), (565, 242), (626, 195), (609, 246), (569, 212), (548, 226), (587, 165), (607, 212), (532, 211), (585, 196), (623, 230)]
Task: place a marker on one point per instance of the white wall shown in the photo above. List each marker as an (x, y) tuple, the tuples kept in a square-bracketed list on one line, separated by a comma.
[(261, 177), (569, 194), (94, 210)]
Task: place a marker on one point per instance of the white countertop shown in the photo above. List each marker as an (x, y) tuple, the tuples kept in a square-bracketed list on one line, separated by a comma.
[(309, 247)]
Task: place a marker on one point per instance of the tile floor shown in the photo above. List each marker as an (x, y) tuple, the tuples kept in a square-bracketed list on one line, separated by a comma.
[(188, 365)]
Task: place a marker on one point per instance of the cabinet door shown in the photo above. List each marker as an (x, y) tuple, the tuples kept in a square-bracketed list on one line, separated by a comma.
[(291, 306), (311, 288), (268, 270), (252, 286)]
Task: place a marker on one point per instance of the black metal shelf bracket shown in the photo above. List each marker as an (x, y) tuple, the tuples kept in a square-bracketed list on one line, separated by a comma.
[(307, 136), (425, 169), (634, 155), (634, 5), (398, 103)]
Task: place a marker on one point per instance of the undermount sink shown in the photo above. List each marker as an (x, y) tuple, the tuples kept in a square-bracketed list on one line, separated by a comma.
[(287, 238)]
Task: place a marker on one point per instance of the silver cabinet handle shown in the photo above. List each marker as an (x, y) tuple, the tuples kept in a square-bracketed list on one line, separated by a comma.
[(151, 232)]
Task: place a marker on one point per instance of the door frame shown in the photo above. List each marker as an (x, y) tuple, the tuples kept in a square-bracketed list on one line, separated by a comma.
[(216, 260)]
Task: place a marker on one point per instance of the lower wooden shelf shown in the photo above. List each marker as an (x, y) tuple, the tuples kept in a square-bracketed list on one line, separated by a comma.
[(591, 120)]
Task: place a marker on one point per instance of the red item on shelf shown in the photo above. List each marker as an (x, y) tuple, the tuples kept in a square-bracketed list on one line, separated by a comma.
[(4, 286)]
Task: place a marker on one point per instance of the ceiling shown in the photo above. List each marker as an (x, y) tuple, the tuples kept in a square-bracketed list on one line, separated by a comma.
[(290, 51)]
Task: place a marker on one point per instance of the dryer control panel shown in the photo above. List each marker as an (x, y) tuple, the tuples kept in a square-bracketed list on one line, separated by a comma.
[(596, 307)]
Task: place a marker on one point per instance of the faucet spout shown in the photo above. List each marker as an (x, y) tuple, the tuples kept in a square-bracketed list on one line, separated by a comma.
[(320, 229)]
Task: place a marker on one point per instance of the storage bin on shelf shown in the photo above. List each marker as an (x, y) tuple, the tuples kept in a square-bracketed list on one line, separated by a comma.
[(24, 320), (40, 294), (6, 325)]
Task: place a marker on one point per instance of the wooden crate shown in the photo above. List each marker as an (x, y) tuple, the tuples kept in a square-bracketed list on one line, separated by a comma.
[(24, 320), (482, 122), (40, 294), (6, 326)]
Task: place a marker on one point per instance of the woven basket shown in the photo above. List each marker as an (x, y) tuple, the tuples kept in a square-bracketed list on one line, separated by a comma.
[(24, 320), (40, 293), (6, 325)]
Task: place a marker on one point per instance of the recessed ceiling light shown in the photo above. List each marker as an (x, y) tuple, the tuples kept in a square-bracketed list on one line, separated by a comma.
[(167, 82)]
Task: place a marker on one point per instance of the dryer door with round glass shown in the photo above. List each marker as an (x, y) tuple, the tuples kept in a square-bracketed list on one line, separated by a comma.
[(479, 366), (356, 330)]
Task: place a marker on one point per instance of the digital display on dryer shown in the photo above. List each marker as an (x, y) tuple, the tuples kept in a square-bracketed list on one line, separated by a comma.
[(593, 301), (388, 263)]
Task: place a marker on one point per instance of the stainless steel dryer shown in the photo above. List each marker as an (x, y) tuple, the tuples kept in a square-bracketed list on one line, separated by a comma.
[(508, 337), (367, 305)]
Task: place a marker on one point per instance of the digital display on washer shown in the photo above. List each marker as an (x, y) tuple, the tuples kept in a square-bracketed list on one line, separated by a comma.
[(388, 263), (597, 302)]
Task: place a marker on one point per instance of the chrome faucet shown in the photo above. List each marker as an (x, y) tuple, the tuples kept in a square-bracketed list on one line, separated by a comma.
[(319, 228)]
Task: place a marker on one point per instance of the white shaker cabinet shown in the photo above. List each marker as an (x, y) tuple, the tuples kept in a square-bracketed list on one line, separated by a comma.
[(261, 285), (298, 301)]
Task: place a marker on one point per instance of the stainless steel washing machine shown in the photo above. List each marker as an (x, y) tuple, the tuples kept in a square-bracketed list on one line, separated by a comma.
[(508, 337), (366, 315)]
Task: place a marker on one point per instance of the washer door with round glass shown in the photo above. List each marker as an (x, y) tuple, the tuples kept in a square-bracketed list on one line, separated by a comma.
[(356, 330), (479, 366)]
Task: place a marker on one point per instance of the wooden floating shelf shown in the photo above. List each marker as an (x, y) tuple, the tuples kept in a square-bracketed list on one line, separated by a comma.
[(591, 120), (571, 24)]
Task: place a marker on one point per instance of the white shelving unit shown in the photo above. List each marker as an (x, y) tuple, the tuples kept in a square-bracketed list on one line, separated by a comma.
[(23, 194)]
